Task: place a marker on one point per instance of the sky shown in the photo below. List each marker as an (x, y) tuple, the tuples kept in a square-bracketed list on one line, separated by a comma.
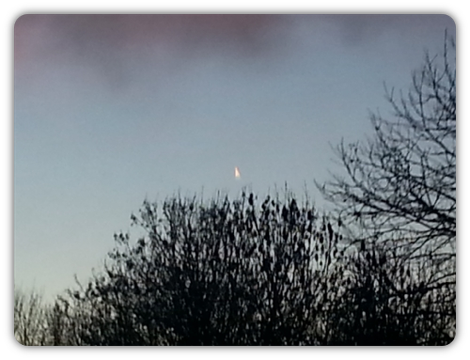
[(110, 110)]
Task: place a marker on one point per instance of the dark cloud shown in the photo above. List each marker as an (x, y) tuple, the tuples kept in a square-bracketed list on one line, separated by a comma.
[(111, 45), (85, 34), (248, 34), (108, 42)]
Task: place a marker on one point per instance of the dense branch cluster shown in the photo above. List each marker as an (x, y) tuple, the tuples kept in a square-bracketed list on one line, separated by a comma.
[(239, 273), (222, 274)]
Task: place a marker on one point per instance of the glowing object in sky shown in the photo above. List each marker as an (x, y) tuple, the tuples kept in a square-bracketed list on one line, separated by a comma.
[(237, 173)]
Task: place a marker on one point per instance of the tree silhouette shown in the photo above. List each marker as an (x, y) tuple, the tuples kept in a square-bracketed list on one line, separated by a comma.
[(400, 190), (226, 273), (386, 300), (30, 322), (242, 273)]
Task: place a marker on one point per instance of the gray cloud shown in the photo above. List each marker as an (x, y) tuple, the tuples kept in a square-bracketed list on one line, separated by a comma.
[(110, 45), (108, 42)]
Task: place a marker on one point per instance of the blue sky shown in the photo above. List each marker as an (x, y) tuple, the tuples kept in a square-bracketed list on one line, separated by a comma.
[(110, 110)]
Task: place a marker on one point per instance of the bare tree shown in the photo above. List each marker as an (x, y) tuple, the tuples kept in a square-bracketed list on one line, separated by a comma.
[(398, 198), (243, 273), (223, 273), (30, 319), (384, 299), (400, 184)]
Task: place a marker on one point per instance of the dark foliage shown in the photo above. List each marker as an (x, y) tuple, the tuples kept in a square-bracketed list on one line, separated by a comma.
[(385, 300), (224, 274), (242, 273)]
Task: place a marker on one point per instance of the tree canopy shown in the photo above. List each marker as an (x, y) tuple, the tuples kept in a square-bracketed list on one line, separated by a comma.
[(247, 273)]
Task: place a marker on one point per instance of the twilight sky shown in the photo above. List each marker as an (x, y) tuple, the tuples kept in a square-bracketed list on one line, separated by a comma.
[(112, 109)]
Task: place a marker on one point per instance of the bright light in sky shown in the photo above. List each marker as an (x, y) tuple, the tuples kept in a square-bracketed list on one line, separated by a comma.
[(237, 172)]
